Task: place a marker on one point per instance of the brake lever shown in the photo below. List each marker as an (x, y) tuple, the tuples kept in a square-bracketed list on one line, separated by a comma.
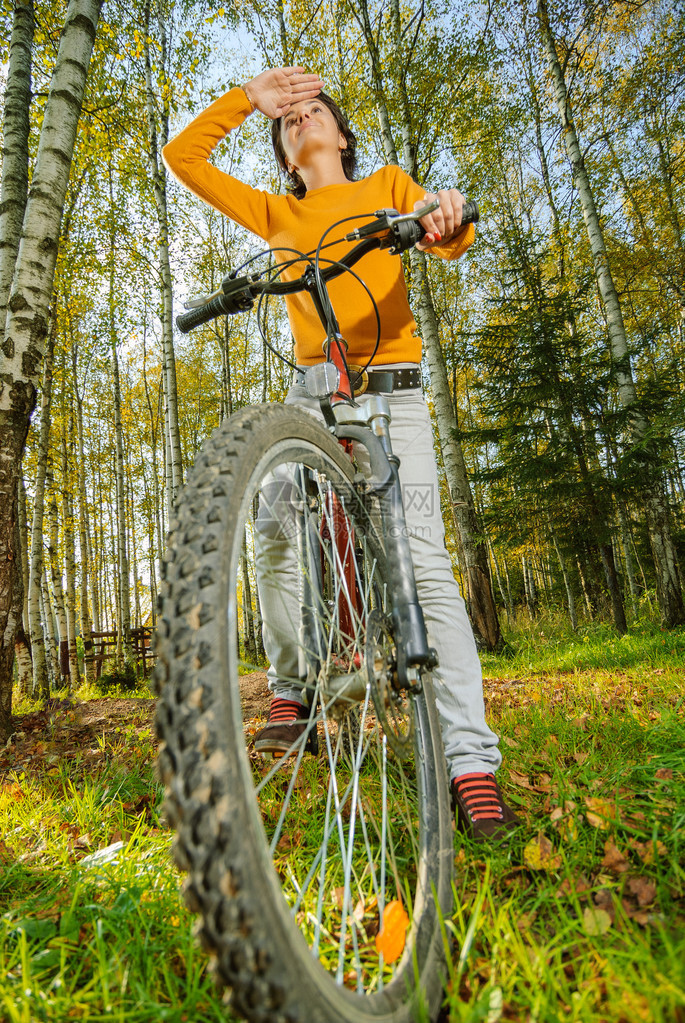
[(195, 303), (416, 215), (385, 219)]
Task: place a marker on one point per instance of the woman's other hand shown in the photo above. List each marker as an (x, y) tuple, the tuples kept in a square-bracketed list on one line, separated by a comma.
[(442, 224), (274, 91)]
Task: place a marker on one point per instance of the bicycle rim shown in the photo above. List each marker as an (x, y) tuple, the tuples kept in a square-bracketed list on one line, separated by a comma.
[(317, 876)]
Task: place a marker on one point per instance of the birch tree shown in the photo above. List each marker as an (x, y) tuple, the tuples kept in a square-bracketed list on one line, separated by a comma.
[(158, 109), (26, 325)]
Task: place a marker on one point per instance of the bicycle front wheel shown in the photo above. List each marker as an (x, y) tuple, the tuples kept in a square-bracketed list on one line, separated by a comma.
[(319, 878)]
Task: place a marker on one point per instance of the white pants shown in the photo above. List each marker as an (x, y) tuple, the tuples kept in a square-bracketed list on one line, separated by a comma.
[(469, 743)]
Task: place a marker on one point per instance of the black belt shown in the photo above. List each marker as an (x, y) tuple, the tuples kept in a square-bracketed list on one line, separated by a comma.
[(377, 380)]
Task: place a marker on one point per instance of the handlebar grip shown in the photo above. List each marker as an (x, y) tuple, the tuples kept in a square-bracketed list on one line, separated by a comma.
[(470, 214), (408, 232), (194, 317)]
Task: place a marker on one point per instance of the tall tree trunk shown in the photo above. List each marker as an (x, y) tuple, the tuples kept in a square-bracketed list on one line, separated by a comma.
[(566, 575), (124, 650), (529, 586), (51, 631), (22, 644), (83, 529), (158, 136), (626, 541), (69, 543), (22, 526), (506, 597), (41, 681), (155, 566), (57, 590), (654, 495), (124, 581), (26, 325)]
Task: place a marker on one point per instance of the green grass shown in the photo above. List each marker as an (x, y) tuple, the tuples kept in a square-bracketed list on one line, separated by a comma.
[(94, 939), (582, 919), (593, 737)]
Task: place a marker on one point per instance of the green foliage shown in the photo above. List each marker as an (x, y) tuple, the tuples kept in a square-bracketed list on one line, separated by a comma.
[(124, 679)]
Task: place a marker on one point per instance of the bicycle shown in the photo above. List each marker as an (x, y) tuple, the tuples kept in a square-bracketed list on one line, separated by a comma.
[(320, 876)]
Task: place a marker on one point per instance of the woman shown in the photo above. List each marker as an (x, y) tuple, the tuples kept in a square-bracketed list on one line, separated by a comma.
[(316, 149)]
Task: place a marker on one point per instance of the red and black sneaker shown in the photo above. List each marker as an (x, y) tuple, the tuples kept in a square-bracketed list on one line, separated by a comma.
[(287, 721), (480, 808)]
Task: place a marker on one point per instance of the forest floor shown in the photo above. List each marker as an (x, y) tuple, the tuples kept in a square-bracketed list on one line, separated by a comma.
[(582, 919)]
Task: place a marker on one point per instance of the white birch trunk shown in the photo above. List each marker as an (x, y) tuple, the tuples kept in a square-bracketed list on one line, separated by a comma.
[(41, 681), (124, 581), (83, 528), (22, 526), (57, 589), (51, 631), (69, 546)]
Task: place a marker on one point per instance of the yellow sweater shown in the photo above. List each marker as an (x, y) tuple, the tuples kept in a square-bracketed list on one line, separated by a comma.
[(286, 222)]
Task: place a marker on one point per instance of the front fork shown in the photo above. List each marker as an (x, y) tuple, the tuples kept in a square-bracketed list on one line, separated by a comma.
[(369, 425)]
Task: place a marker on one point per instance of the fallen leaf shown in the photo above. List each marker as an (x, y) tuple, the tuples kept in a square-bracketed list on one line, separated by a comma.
[(600, 813), (641, 916), (596, 921), (643, 890), (648, 851), (12, 791), (614, 860), (521, 780), (511, 743), (359, 910), (524, 782), (664, 773), (538, 854), (392, 935), (580, 758), (577, 885)]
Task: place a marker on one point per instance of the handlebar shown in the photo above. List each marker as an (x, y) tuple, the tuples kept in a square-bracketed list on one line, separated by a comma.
[(390, 230)]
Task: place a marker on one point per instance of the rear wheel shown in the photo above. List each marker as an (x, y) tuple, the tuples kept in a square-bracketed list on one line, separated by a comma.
[(318, 878)]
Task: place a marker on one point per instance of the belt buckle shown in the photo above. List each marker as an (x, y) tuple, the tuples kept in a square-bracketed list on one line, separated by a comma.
[(359, 372)]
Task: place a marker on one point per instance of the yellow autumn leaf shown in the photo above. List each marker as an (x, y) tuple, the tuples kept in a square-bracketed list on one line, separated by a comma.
[(538, 854), (600, 813), (596, 921)]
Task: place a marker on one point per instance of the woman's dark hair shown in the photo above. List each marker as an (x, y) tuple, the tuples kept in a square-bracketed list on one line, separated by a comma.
[(349, 155)]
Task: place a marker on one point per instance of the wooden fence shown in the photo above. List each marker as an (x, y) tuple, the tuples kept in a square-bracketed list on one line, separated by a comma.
[(104, 649)]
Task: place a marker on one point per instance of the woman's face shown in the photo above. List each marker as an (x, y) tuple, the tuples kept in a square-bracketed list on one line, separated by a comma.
[(309, 128)]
